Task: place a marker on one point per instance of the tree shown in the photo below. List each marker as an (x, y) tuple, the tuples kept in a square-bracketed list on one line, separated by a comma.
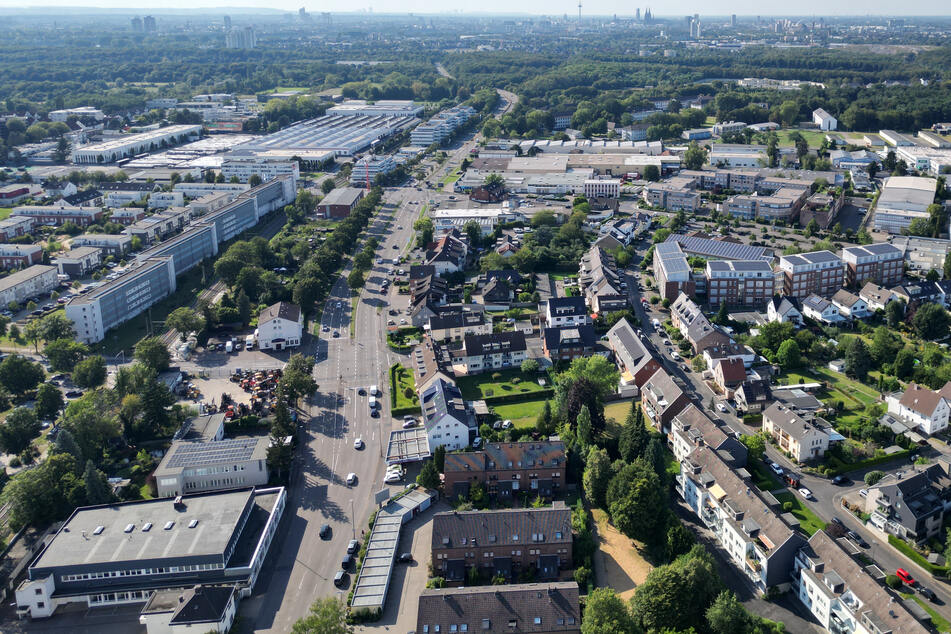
[(185, 320), (584, 393), (679, 541), (44, 494), (788, 355), (904, 362), (755, 446), (947, 266), (90, 372), (726, 615), (597, 476), (544, 424), (18, 374), (327, 186), (49, 400), (424, 228), (56, 326), (355, 280), (722, 317), (659, 602), (530, 366), (894, 313), (930, 321), (439, 457), (857, 361), (634, 436), (327, 616), (64, 354), (872, 477), (583, 434), (596, 369), (606, 613), (811, 228), (97, 488), (153, 353), (651, 173), (18, 430), (428, 477), (695, 156), (33, 333), (254, 180), (885, 345), (637, 503), (298, 380), (65, 443)]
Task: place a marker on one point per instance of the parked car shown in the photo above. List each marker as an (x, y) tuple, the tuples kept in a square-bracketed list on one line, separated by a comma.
[(346, 562), (722, 408), (392, 477), (506, 424), (405, 558), (351, 479), (858, 539), (325, 531), (804, 492), (409, 423), (336, 334), (339, 578), (353, 546), (840, 480), (74, 394), (903, 574), (863, 493), (776, 468), (927, 593)]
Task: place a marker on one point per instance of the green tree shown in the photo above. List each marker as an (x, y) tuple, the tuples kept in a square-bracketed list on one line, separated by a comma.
[(327, 186), (356, 279), (788, 355), (530, 366), (596, 369), (44, 494), (254, 180), (947, 266), (97, 488), (726, 615), (857, 360), (64, 354), (597, 476), (659, 602), (18, 430), (885, 345), (637, 502), (424, 229), (930, 321), (90, 372), (18, 374), (679, 541), (583, 431), (695, 156), (894, 313), (153, 353), (606, 613), (327, 616), (544, 424), (904, 362), (439, 457), (634, 435), (33, 332), (651, 173), (65, 443), (49, 400), (872, 477), (755, 446), (185, 321), (56, 326), (428, 477)]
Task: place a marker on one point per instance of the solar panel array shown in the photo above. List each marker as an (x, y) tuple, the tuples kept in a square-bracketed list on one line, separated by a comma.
[(348, 132), (719, 249), (196, 454)]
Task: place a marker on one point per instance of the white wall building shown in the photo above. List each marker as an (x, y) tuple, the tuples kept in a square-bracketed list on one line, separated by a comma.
[(31, 282), (608, 188), (245, 167), (129, 145), (280, 326), (918, 405), (824, 120)]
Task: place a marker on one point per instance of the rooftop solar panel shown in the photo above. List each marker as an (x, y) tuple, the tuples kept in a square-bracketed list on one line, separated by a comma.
[(719, 249)]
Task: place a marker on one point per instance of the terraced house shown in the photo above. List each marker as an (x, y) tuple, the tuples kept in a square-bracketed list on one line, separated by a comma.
[(506, 469), (502, 543)]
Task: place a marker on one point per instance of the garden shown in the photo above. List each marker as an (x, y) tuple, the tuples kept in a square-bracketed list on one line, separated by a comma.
[(403, 339), (505, 386), (403, 397), (809, 522)]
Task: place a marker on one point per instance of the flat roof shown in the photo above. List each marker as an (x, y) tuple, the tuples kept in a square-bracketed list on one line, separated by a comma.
[(142, 137), (719, 248), (77, 544), (185, 454), (342, 196), (407, 445)]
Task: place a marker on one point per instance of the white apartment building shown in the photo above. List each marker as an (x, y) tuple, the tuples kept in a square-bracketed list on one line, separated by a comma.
[(920, 406), (728, 127), (608, 188), (244, 167), (801, 439), (196, 190), (368, 168), (162, 200), (24, 285)]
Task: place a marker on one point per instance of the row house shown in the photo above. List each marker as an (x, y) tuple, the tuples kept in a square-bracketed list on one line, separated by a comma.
[(18, 256), (15, 226), (739, 282), (692, 429), (127, 215), (881, 263), (850, 305), (842, 596), (57, 215), (662, 399), (632, 357), (454, 325), (506, 469), (912, 506), (801, 439), (821, 310), (818, 272), (506, 543), (491, 352), (728, 374), (922, 408), (759, 540)]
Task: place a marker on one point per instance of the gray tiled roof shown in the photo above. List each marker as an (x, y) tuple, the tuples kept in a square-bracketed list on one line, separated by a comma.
[(507, 527)]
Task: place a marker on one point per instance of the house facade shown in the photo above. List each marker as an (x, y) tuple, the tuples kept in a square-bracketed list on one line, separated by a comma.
[(506, 469), (280, 326), (801, 439)]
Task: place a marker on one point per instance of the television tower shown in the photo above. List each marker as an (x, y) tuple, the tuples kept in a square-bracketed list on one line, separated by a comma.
[(579, 12)]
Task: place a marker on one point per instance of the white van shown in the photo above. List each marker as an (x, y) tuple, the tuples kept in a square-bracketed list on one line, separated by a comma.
[(374, 391), (373, 403), (229, 347), (249, 342)]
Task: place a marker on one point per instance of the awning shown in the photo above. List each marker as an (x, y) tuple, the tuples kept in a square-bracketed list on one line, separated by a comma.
[(717, 492)]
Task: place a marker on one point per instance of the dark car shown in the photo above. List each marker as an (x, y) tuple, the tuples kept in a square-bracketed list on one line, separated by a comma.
[(836, 520), (858, 539), (340, 578), (325, 531), (928, 593), (353, 546), (74, 394), (405, 558), (841, 480), (346, 562), (374, 413), (362, 391)]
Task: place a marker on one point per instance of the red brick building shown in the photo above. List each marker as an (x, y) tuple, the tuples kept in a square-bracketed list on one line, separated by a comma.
[(880, 263), (20, 256), (507, 469)]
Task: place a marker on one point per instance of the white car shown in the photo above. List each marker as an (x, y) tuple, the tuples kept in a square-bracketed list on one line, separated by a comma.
[(506, 424), (721, 407), (358, 443), (806, 493), (674, 356), (351, 479), (392, 477), (776, 468)]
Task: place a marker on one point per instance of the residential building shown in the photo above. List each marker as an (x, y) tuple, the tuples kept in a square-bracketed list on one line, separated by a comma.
[(445, 417), (127, 146), (718, 249), (367, 169), (801, 439), (599, 281), (922, 408), (824, 120), (264, 167), (662, 399), (15, 226), (26, 284), (540, 608), (504, 469), (912, 506), (12, 194), (566, 311), (729, 374), (739, 283), (453, 325), (339, 203), (85, 198), (164, 200), (917, 293), (197, 466), (280, 326), (634, 361), (159, 225), (197, 190), (569, 342), (506, 543), (602, 188), (718, 346), (58, 214), (79, 262), (188, 249), (121, 553), (115, 245), (821, 309), (448, 254), (81, 112), (18, 256), (817, 272), (178, 610), (240, 38), (882, 263), (491, 352), (728, 127), (784, 309), (782, 204), (697, 134), (672, 196), (121, 299), (498, 292), (877, 297), (842, 596), (127, 216), (691, 429), (752, 396), (850, 305), (750, 528), (672, 273), (902, 200)]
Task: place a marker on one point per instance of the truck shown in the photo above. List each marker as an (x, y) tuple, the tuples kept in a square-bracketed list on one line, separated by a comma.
[(249, 342), (229, 347)]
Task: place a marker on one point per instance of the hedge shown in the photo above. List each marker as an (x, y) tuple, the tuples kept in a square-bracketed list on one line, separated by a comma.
[(918, 558), (406, 409), (544, 393), (842, 467)]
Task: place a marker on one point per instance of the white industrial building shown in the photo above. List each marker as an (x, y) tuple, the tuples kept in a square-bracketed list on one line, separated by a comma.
[(387, 108), (81, 112), (903, 199), (607, 188), (280, 326), (129, 145), (824, 120), (244, 167)]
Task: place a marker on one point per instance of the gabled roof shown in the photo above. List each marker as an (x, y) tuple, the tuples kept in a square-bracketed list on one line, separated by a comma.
[(570, 337), (508, 527), (874, 293), (790, 422), (843, 297), (627, 347), (567, 307), (442, 398), (732, 370), (783, 304), (203, 604), (816, 303), (283, 310), (494, 343), (755, 390), (922, 400)]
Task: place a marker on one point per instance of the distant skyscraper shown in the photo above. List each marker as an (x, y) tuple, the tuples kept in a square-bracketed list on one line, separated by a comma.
[(148, 24), (637, 14), (227, 21), (136, 24), (302, 14), (733, 20), (241, 38)]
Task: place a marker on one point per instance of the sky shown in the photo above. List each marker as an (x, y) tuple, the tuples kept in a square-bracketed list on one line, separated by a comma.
[(590, 7)]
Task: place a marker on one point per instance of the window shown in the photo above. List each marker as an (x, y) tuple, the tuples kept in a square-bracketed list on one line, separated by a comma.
[(38, 591), (40, 604), (538, 620)]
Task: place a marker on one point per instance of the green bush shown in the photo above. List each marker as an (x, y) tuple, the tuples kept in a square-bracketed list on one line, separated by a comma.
[(787, 506), (893, 582), (905, 548)]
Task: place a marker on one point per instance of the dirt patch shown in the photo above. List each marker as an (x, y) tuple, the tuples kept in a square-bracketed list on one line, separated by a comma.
[(618, 563)]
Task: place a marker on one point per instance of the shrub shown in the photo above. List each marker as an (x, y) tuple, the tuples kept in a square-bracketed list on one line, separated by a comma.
[(496, 376), (893, 582), (872, 477), (787, 506)]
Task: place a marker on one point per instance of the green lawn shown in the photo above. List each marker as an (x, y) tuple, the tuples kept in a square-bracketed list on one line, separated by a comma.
[(452, 177), (763, 478), (523, 415), (5, 212), (354, 302), (482, 385), (940, 623), (809, 522), (404, 379), (814, 138), (618, 410)]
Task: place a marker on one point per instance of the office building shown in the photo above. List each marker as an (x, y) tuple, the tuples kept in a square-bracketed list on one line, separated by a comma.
[(241, 38), (127, 146), (903, 199), (817, 272), (79, 262), (212, 608), (922, 254), (29, 283), (244, 167), (602, 188), (739, 282), (783, 204), (18, 256), (672, 272), (366, 170), (57, 215), (728, 127), (677, 194), (82, 112), (197, 466), (339, 202), (197, 190), (881, 263), (121, 553), (441, 126)]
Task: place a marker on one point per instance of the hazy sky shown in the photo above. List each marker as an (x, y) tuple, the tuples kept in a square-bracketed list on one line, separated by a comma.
[(591, 7)]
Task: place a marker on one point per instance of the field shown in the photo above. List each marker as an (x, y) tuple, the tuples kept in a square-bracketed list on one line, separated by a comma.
[(809, 522), (452, 177), (510, 382), (813, 137), (5, 212), (618, 410), (523, 415), (618, 562), (854, 396)]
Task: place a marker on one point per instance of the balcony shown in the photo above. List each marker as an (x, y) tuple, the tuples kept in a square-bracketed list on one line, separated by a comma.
[(755, 564)]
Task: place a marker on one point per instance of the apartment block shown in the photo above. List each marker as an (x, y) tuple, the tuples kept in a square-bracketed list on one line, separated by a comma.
[(739, 283), (671, 271), (115, 245), (881, 263), (803, 440), (817, 272), (79, 262), (506, 469), (674, 195), (57, 215), (18, 256), (491, 352), (27, 284)]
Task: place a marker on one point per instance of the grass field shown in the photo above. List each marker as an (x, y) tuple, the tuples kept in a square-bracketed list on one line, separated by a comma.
[(809, 522), (618, 410), (763, 478), (814, 138), (452, 177), (5, 212), (523, 415), (483, 385), (404, 379)]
